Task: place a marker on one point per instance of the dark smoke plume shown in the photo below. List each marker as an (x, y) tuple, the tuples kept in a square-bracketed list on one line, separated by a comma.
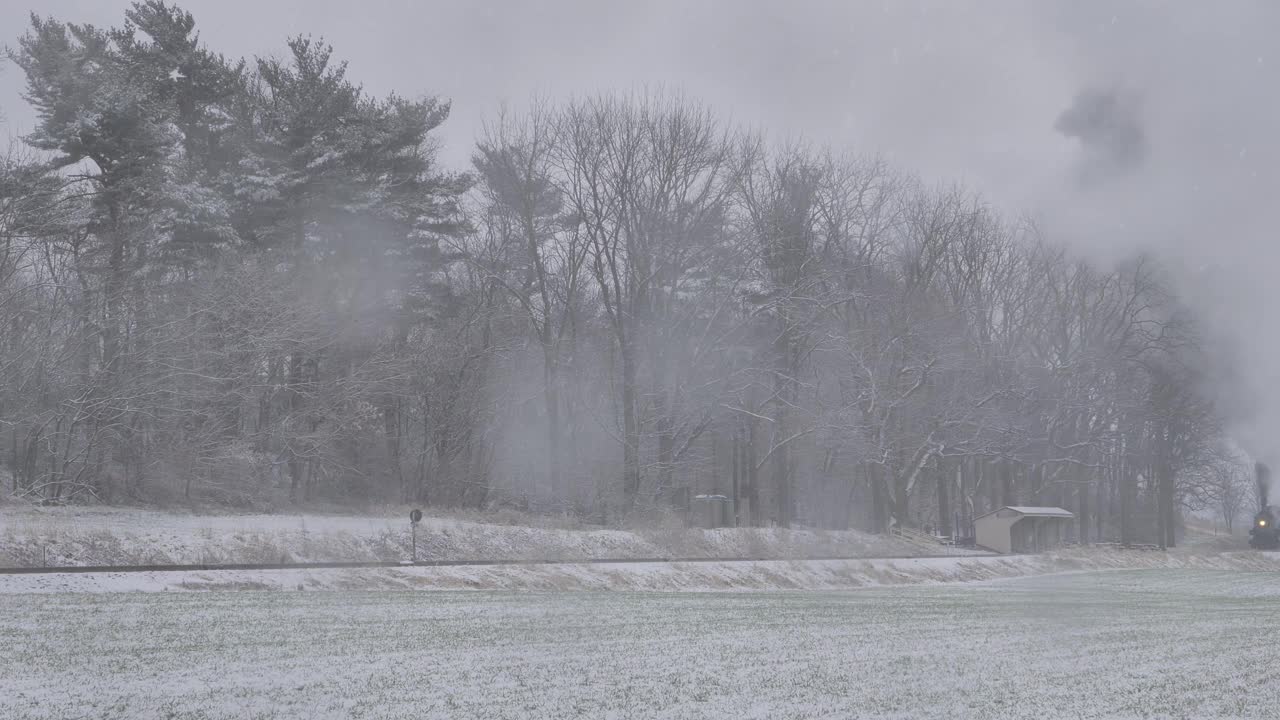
[(1107, 124), (1264, 483)]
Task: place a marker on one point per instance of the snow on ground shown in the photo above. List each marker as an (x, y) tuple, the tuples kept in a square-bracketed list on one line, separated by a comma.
[(34, 537), (1181, 643), (639, 577)]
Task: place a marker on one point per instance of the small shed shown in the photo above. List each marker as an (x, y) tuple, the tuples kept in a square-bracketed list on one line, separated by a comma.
[(1018, 528)]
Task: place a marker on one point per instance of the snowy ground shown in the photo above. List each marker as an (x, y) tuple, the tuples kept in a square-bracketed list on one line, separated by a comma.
[(34, 537), (1134, 643)]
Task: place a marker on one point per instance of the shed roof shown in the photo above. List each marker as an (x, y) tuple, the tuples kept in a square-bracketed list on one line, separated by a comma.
[(1030, 511), (1042, 511)]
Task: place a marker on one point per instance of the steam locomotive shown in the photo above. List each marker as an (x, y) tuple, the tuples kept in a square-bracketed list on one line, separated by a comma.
[(1264, 535)]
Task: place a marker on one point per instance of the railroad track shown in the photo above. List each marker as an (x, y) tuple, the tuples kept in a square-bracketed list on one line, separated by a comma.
[(430, 563)]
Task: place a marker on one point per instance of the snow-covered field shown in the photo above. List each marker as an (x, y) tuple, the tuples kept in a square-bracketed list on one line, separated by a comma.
[(1133, 643), (35, 537)]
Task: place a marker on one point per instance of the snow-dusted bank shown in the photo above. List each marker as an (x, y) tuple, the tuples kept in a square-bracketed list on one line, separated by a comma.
[(39, 537), (643, 577)]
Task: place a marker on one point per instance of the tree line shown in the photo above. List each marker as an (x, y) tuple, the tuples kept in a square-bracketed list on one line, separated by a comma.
[(252, 283)]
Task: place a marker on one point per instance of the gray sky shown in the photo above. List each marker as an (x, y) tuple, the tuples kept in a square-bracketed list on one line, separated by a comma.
[(953, 90), (943, 87)]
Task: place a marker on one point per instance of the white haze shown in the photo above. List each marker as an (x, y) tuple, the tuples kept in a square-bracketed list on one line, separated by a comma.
[(956, 91)]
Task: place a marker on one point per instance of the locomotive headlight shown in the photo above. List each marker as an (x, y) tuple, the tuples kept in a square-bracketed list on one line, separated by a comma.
[(1262, 523)]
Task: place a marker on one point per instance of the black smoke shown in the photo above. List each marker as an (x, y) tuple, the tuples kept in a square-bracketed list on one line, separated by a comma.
[(1264, 483), (1109, 128)]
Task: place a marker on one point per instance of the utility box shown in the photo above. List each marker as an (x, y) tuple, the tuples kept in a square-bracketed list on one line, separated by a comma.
[(710, 511)]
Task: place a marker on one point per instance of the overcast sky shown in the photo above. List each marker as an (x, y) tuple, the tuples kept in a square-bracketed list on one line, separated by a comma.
[(962, 90), (952, 90)]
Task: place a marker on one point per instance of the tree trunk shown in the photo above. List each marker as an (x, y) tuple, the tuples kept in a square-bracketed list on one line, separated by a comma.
[(1082, 494), (551, 396), (782, 475), (944, 501), (736, 470), (666, 447), (901, 501), (391, 432), (630, 429), (753, 475), (993, 482), (1165, 490), (1008, 496), (879, 502), (1128, 481), (294, 381)]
